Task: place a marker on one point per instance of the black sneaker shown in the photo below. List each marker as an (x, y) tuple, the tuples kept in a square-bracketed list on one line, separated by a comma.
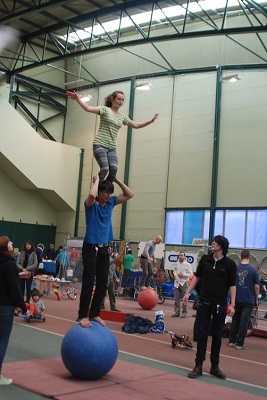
[(215, 371), (197, 371)]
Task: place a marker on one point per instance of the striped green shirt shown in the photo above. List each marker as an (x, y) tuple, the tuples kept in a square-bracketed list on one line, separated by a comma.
[(108, 127)]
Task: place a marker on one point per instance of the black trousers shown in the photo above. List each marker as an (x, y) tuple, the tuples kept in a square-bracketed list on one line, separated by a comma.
[(95, 273), (26, 284), (204, 314)]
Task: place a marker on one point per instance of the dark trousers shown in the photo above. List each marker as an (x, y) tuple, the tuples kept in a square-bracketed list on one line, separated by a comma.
[(26, 284), (111, 296), (147, 272), (96, 266), (240, 322), (6, 323), (204, 314), (126, 278)]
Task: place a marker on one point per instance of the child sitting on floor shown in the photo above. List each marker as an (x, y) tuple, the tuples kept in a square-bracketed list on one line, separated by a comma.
[(37, 307)]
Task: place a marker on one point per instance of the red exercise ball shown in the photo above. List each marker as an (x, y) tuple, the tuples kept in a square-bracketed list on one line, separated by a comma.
[(147, 299)]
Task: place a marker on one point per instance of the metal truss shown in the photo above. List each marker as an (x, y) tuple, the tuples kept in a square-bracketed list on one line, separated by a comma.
[(55, 30), (26, 90)]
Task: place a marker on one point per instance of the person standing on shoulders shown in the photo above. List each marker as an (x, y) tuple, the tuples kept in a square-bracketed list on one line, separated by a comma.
[(217, 274), (98, 214), (182, 272), (247, 293), (111, 120), (146, 261)]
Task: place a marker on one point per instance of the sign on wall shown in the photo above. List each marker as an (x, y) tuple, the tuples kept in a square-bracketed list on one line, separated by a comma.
[(171, 259)]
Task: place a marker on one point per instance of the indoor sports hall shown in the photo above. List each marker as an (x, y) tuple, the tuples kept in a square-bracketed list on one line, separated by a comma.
[(192, 75)]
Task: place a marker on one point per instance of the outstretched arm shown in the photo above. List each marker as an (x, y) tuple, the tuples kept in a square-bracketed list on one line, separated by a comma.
[(86, 107), (137, 125), (127, 193), (93, 191)]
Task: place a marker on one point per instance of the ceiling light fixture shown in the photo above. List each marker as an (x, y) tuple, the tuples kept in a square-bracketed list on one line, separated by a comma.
[(230, 78), (143, 86), (86, 98)]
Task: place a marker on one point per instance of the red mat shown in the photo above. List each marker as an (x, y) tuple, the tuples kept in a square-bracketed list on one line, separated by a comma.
[(126, 380), (113, 316)]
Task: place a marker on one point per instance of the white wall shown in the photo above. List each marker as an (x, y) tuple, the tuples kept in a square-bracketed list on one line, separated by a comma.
[(171, 160), (190, 169), (243, 142), (39, 178), (46, 165), (26, 205)]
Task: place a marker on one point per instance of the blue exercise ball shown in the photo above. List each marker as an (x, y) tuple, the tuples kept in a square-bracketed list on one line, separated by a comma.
[(89, 353)]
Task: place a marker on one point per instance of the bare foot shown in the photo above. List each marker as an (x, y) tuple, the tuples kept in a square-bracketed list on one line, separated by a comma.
[(85, 323), (99, 320)]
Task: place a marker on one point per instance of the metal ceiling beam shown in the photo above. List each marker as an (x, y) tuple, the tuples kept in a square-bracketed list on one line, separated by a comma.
[(31, 11), (55, 39), (154, 39)]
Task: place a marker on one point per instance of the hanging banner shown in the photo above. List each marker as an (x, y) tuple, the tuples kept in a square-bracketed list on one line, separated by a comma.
[(171, 259)]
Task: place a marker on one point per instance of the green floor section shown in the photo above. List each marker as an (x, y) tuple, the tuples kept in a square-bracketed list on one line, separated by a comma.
[(15, 393), (30, 344)]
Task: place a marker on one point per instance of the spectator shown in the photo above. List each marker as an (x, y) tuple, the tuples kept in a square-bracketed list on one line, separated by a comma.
[(182, 273), (112, 278), (10, 297), (51, 253), (63, 259), (39, 252), (36, 307), (74, 258), (247, 293), (128, 267), (27, 261)]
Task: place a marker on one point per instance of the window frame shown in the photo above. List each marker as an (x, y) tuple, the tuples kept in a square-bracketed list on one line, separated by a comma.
[(205, 211)]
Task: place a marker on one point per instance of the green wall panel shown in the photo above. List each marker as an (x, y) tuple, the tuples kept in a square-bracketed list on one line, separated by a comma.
[(19, 232)]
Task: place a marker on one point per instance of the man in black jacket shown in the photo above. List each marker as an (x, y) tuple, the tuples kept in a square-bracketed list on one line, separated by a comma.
[(217, 275)]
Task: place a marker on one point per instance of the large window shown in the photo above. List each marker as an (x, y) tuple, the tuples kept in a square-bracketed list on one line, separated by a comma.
[(243, 228), (174, 224)]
